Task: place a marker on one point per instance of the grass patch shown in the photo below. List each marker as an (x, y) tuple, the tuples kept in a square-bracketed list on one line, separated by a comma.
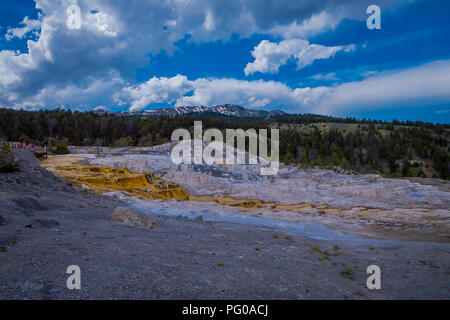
[(220, 264), (287, 238), (2, 249), (324, 257), (325, 254), (372, 248), (336, 248), (314, 250)]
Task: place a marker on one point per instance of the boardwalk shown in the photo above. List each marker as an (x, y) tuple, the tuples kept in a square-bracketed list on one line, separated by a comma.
[(39, 152)]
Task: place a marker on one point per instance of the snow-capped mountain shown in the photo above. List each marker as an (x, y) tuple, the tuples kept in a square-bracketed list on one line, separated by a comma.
[(225, 110)]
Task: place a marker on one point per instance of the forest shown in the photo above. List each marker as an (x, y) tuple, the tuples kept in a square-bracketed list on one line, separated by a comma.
[(394, 148)]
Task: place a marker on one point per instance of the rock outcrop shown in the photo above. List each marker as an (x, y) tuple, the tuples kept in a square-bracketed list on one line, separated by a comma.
[(131, 218)]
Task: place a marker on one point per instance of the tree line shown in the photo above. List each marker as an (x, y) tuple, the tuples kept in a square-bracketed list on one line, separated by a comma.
[(392, 148)]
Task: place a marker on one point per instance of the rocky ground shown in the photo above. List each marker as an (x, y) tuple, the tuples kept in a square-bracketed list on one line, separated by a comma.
[(47, 225)]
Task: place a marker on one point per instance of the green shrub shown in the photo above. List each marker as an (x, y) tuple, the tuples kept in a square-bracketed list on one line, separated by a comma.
[(7, 162), (315, 249), (324, 257), (61, 149), (9, 167)]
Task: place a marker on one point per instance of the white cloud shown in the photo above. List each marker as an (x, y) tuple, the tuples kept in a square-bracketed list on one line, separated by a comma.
[(29, 25), (115, 36), (96, 92), (314, 52), (315, 24), (114, 39), (155, 90), (209, 23), (212, 91), (303, 19), (326, 76), (419, 86), (269, 56)]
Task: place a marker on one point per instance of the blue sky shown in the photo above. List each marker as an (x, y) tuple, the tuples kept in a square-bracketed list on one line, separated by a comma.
[(303, 56)]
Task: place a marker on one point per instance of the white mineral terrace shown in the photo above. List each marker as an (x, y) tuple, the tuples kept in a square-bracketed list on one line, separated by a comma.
[(290, 186)]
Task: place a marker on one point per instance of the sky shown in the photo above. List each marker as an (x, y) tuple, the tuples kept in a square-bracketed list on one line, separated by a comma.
[(303, 56)]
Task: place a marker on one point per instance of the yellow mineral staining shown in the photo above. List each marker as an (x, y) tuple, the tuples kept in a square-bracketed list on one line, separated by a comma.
[(53, 161), (104, 179), (227, 201), (252, 205)]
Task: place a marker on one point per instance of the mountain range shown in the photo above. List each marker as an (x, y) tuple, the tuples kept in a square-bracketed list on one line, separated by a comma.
[(230, 110)]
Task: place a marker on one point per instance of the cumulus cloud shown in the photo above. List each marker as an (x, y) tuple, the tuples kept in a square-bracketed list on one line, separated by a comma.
[(269, 56), (115, 36), (212, 91), (155, 90)]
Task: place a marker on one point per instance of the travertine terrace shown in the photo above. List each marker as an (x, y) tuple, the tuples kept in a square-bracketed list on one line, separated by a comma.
[(360, 204)]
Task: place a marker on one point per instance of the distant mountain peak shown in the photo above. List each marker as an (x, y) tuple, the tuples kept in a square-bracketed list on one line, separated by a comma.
[(232, 110), (276, 113)]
